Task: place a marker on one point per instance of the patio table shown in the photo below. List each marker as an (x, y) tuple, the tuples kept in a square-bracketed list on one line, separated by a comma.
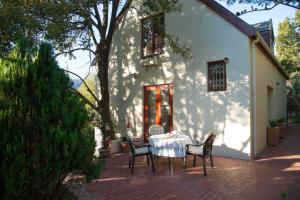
[(169, 145)]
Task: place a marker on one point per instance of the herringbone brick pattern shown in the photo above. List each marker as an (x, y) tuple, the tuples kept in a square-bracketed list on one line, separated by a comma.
[(274, 173)]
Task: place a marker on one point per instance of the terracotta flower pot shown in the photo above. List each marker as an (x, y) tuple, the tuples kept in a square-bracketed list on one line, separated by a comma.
[(281, 126), (125, 147), (273, 136)]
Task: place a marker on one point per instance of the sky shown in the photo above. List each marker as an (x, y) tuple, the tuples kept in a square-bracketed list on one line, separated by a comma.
[(80, 65)]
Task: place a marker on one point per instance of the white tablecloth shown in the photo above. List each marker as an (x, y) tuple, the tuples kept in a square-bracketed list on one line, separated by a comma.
[(169, 145)]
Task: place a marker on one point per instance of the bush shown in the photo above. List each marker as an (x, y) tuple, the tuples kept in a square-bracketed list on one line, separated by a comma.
[(280, 120), (273, 123), (44, 134), (125, 138)]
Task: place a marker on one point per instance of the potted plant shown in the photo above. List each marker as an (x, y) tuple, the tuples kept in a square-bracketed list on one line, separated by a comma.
[(281, 125), (273, 133), (115, 144), (124, 144)]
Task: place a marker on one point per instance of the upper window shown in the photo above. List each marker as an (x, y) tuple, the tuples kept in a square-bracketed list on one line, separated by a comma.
[(216, 76), (153, 35)]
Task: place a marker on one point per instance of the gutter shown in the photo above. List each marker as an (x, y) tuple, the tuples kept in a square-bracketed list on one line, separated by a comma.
[(253, 150)]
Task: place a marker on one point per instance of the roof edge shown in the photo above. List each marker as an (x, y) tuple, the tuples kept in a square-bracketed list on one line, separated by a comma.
[(245, 28), (264, 47), (240, 24)]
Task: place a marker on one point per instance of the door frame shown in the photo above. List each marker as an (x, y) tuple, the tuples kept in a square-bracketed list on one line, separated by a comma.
[(158, 106)]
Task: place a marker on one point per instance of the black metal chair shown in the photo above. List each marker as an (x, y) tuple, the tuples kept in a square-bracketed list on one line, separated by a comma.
[(203, 150), (139, 151)]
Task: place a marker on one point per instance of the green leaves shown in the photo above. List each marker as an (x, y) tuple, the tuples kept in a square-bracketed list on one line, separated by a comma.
[(43, 126), (261, 5), (288, 44)]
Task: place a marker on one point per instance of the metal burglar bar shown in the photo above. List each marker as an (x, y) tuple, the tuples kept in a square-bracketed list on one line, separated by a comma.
[(217, 76)]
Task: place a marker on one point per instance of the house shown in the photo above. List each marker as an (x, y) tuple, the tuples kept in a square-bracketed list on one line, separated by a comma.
[(233, 85)]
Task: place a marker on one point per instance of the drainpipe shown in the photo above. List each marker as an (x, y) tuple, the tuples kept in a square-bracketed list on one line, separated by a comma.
[(253, 98)]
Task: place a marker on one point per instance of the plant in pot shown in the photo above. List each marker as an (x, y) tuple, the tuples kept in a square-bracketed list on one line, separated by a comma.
[(115, 143), (281, 125), (125, 144), (273, 133)]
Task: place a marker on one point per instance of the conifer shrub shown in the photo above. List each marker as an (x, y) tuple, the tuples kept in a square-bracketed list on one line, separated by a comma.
[(44, 134)]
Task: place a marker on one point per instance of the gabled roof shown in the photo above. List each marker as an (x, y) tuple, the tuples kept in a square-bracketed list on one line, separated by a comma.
[(245, 28)]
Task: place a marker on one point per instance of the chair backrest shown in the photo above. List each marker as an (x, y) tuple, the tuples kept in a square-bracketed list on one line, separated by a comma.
[(207, 146), (156, 129)]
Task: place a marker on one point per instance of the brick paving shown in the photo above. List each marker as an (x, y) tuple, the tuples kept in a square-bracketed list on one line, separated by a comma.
[(273, 173)]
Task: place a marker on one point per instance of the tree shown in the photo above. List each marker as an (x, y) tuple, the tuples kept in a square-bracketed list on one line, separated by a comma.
[(90, 25), (43, 127), (288, 48), (288, 44), (263, 5), (90, 82)]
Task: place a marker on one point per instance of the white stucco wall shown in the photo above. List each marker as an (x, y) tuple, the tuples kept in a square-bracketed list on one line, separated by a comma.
[(196, 111), (272, 107)]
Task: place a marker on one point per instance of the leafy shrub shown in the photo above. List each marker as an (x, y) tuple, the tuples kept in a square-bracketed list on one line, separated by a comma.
[(273, 123), (280, 120), (124, 138), (44, 134)]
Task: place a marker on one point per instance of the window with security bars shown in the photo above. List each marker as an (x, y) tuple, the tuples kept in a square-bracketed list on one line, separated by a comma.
[(153, 35), (217, 76)]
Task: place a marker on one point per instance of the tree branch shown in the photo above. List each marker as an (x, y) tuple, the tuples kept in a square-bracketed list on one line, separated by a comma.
[(76, 49), (123, 12), (255, 10), (93, 34), (105, 15), (99, 26), (87, 87), (84, 99), (269, 7), (113, 18)]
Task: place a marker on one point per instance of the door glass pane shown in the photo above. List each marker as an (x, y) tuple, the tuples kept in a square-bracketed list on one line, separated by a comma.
[(165, 109), (152, 107)]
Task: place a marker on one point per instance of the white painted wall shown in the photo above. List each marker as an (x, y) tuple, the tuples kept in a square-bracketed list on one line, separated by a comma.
[(267, 76), (196, 111)]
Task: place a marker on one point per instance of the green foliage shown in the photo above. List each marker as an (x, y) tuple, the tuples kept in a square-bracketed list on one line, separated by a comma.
[(124, 138), (288, 48), (43, 127), (288, 44), (284, 195), (260, 5), (273, 123), (280, 120), (72, 25), (83, 90)]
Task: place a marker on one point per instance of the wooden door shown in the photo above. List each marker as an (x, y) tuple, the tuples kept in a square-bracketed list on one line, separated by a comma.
[(158, 107)]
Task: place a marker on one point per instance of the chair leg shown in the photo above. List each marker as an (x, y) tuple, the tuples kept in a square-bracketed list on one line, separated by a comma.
[(169, 164), (194, 161), (132, 167), (211, 161), (153, 169), (156, 159), (147, 160), (129, 165), (204, 165)]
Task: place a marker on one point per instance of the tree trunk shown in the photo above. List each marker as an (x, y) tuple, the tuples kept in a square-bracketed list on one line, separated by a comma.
[(102, 56)]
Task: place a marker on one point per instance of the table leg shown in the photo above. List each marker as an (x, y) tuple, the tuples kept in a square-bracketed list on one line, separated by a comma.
[(184, 162)]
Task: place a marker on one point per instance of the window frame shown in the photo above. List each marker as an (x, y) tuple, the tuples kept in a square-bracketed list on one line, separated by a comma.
[(153, 40), (209, 87)]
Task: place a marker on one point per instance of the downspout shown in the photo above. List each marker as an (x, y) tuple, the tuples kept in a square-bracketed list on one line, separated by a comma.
[(253, 98)]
